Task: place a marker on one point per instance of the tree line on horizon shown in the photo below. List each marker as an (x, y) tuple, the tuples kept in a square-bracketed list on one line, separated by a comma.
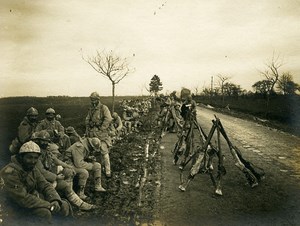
[(274, 83)]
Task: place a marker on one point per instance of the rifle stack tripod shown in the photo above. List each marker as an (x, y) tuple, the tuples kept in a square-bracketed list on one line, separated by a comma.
[(203, 158)]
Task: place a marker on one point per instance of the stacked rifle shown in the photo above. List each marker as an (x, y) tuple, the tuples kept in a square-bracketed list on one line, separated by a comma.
[(202, 158)]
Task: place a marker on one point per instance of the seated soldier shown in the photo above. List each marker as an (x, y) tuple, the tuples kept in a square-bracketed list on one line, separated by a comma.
[(73, 135), (136, 123), (26, 186), (25, 130), (116, 126), (55, 129), (127, 118), (79, 156), (48, 165)]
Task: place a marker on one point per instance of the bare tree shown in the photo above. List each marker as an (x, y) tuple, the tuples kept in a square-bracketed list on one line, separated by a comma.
[(271, 72), (196, 90), (110, 66)]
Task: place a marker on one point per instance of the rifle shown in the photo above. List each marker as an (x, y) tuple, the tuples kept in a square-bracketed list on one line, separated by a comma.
[(204, 160)]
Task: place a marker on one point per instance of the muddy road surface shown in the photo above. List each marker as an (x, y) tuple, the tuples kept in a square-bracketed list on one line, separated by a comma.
[(275, 201)]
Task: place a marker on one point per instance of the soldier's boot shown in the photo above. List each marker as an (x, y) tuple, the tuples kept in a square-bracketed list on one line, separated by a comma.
[(75, 200), (98, 186), (107, 165), (81, 194)]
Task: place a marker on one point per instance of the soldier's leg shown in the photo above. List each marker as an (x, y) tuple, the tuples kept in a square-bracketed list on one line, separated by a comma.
[(65, 208), (83, 175), (97, 176), (64, 188), (106, 159), (43, 214)]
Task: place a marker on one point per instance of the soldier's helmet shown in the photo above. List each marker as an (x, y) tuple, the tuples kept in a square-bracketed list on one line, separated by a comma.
[(95, 143), (50, 111), (58, 117), (32, 112), (95, 95), (114, 115), (41, 135), (70, 130), (30, 147)]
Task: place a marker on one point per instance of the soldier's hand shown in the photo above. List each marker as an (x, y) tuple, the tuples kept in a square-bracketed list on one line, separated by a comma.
[(54, 207), (72, 169)]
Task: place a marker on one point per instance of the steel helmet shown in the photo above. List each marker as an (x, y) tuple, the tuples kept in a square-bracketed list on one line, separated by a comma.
[(30, 147), (70, 129), (95, 143), (95, 95), (115, 115), (32, 111), (50, 111), (41, 135)]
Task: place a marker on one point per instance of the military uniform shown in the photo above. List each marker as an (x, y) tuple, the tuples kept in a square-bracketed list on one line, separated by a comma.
[(25, 131), (23, 188), (76, 155), (53, 126), (50, 126), (48, 166), (73, 135), (97, 122), (116, 126), (97, 125)]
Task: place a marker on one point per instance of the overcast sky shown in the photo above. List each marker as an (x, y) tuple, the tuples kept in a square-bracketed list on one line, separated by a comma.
[(184, 42)]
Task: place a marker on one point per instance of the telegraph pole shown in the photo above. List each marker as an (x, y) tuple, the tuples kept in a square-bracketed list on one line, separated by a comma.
[(211, 88)]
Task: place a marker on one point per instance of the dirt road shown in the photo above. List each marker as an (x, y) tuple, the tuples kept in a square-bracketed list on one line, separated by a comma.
[(276, 201)]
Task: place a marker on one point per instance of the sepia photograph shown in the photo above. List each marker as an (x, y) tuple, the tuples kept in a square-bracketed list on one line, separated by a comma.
[(150, 112)]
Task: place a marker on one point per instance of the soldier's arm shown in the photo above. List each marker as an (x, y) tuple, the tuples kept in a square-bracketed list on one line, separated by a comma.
[(107, 118), (40, 126), (46, 188), (78, 160), (58, 162), (120, 124), (51, 177), (87, 119), (24, 132), (59, 127)]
